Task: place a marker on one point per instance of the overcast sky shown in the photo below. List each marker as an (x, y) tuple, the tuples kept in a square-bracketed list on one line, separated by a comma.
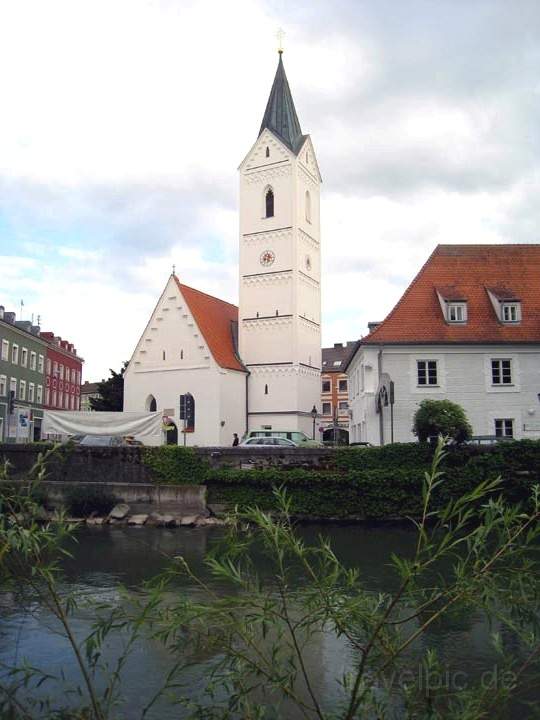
[(123, 122)]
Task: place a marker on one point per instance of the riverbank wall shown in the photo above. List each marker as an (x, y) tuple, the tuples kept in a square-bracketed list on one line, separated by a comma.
[(322, 483)]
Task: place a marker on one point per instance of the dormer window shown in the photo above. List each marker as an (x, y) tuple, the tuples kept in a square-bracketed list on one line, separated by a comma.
[(506, 304), (511, 312), (456, 312)]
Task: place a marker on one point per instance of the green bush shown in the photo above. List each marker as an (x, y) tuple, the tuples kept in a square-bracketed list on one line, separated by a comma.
[(381, 483), (83, 500), (174, 465), (441, 417)]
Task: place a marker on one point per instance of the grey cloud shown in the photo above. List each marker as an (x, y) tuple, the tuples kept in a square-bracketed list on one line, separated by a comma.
[(469, 56)]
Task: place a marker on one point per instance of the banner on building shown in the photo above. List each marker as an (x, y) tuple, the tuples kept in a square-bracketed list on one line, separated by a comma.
[(64, 422)]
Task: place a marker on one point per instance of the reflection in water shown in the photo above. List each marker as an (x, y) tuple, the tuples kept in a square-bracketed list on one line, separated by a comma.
[(104, 559)]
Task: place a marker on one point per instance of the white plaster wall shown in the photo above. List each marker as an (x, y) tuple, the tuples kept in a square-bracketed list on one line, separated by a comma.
[(464, 375), (269, 341), (232, 405), (266, 294)]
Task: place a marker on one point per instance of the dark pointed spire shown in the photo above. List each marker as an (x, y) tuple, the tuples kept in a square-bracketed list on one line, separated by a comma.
[(280, 115)]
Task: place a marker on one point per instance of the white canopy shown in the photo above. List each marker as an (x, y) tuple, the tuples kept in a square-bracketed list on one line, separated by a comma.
[(64, 422)]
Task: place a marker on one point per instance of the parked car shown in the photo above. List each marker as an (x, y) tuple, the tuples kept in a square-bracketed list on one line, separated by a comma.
[(267, 441), (299, 438), (101, 441)]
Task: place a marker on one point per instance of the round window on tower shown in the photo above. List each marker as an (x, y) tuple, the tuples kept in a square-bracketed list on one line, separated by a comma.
[(267, 258)]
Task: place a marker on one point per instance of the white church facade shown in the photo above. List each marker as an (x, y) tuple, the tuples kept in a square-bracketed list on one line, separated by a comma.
[(256, 366)]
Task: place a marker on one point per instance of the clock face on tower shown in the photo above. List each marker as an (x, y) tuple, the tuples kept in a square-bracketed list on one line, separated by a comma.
[(267, 258)]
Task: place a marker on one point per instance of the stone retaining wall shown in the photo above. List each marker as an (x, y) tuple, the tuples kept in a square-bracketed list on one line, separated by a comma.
[(142, 497), (124, 464)]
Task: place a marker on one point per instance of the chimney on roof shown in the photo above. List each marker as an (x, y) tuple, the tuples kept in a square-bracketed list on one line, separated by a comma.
[(10, 317), (35, 330), (23, 325), (373, 325), (350, 343), (338, 345), (1, 312)]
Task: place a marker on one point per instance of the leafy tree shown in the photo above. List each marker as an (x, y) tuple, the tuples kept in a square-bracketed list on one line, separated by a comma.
[(441, 417), (111, 392)]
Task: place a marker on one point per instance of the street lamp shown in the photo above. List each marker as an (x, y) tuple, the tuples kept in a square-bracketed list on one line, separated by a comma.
[(314, 416)]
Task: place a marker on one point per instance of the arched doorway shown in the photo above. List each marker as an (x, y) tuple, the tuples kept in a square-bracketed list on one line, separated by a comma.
[(172, 434), (151, 404)]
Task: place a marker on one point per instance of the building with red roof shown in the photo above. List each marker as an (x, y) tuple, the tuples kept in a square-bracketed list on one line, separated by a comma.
[(190, 346), (467, 329)]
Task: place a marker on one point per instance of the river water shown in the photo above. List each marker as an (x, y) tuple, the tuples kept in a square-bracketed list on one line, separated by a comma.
[(104, 559)]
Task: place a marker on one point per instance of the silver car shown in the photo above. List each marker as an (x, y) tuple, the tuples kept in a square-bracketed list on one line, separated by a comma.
[(268, 441)]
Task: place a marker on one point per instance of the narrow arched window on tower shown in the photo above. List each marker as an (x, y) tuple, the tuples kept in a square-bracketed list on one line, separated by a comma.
[(308, 206), (266, 389), (164, 354), (267, 152), (181, 354), (269, 203)]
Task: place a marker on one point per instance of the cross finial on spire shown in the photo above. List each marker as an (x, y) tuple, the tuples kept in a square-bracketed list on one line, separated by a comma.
[(280, 33), (174, 269)]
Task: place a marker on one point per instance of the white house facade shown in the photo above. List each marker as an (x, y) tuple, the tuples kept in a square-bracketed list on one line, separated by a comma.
[(468, 330), (256, 366)]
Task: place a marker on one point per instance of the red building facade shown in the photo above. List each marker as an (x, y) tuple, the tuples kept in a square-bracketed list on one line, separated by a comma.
[(63, 374)]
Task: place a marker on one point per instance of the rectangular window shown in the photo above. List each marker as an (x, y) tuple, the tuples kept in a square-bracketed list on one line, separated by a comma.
[(61, 371), (504, 427), (33, 358), (5, 350), (24, 357), (41, 361), (510, 312), (427, 372), (48, 366), (501, 372), (457, 312), (47, 395), (326, 408), (343, 405), (3, 385), (13, 386), (326, 386), (39, 394), (31, 388), (55, 368), (342, 386), (66, 401), (22, 390), (53, 400), (14, 354)]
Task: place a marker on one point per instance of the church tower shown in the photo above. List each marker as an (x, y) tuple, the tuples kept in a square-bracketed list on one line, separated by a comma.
[(280, 269)]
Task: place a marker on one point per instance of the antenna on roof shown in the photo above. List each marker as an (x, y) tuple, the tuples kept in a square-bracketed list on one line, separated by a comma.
[(38, 319)]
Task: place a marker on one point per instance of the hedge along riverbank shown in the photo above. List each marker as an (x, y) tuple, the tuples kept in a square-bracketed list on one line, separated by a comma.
[(381, 483)]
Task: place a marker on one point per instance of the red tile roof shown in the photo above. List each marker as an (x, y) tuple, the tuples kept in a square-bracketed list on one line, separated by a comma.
[(467, 272), (215, 319)]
